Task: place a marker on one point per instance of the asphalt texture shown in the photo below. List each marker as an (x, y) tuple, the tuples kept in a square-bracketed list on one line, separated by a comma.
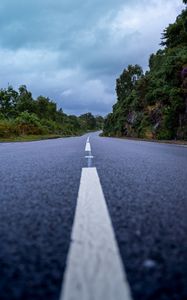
[(145, 186), (39, 183)]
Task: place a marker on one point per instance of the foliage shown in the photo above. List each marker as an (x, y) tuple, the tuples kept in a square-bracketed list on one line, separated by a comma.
[(154, 104), (22, 115), (88, 120)]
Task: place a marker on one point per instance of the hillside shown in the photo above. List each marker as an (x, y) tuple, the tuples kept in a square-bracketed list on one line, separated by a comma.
[(154, 104)]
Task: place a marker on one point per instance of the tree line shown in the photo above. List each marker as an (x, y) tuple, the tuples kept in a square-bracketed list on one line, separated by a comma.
[(21, 115), (154, 104)]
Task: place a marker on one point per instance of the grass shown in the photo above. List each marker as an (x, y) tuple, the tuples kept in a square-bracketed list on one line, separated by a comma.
[(30, 138)]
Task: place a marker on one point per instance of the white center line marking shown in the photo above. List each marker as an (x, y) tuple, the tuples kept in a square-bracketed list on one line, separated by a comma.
[(88, 147), (94, 267)]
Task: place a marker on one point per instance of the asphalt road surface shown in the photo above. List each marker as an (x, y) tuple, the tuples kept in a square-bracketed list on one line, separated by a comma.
[(145, 188)]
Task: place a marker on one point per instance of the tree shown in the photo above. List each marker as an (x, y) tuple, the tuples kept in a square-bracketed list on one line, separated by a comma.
[(125, 83), (45, 108), (20, 114), (8, 102), (25, 101), (176, 34), (88, 121), (154, 105), (99, 122)]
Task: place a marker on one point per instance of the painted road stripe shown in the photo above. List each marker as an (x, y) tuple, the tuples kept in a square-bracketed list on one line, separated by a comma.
[(94, 268), (89, 156), (88, 147)]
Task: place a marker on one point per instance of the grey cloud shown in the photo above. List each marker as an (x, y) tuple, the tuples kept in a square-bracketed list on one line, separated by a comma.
[(78, 46), (30, 23)]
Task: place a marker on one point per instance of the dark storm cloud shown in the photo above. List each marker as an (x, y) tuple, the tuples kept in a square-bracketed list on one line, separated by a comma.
[(73, 50)]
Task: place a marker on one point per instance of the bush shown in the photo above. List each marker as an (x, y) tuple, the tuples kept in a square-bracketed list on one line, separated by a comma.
[(8, 128), (28, 124), (2, 117)]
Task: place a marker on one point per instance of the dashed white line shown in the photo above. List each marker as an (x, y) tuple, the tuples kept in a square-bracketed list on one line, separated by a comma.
[(89, 156), (94, 267), (88, 147)]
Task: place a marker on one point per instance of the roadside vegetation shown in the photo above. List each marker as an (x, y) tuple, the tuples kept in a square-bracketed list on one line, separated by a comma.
[(24, 118), (153, 104)]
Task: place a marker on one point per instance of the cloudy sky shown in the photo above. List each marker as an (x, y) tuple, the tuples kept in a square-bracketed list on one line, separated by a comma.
[(73, 50)]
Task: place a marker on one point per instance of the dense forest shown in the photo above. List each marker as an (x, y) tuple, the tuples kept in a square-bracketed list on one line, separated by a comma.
[(21, 115), (154, 104)]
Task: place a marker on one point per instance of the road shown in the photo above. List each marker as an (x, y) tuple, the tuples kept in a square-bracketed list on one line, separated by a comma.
[(145, 188)]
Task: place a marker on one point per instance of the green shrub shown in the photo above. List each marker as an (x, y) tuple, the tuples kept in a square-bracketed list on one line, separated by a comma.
[(165, 134), (8, 128), (28, 124)]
